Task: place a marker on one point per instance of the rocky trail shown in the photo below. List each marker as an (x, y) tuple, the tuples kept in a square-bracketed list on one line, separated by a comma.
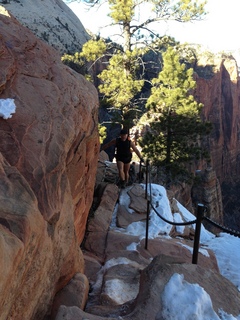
[(126, 279)]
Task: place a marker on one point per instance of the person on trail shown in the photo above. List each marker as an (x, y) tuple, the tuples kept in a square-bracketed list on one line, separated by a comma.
[(123, 146)]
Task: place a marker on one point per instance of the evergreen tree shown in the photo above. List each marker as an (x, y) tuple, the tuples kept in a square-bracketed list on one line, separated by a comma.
[(102, 133), (123, 79), (175, 132)]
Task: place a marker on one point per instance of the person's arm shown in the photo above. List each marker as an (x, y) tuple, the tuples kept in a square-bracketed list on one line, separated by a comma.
[(109, 144), (135, 149)]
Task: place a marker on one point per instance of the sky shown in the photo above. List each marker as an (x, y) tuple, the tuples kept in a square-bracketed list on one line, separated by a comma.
[(218, 32), (7, 108), (225, 246)]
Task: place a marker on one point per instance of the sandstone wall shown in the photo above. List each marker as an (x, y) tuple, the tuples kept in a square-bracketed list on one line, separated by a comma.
[(220, 95), (48, 159)]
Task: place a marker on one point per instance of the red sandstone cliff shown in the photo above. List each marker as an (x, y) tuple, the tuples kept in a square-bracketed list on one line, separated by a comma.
[(220, 95), (48, 159)]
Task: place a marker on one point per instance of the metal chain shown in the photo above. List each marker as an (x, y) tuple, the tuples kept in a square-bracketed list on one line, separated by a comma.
[(160, 216), (227, 230)]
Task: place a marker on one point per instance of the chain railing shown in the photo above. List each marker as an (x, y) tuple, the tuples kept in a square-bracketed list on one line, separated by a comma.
[(225, 229), (201, 209), (110, 175)]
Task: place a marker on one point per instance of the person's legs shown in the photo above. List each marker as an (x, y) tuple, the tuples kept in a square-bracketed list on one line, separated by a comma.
[(126, 171), (120, 166), (123, 170)]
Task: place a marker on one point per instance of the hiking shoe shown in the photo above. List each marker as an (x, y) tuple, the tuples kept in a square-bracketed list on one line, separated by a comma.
[(121, 183)]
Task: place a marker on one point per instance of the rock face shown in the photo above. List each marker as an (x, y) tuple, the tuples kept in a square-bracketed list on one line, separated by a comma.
[(51, 21), (220, 95), (48, 159), (208, 191)]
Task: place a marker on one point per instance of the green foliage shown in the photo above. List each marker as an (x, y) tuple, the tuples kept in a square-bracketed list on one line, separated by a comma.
[(186, 10), (76, 62), (93, 49), (122, 80), (202, 61), (76, 58), (121, 10), (120, 85), (102, 132), (175, 126)]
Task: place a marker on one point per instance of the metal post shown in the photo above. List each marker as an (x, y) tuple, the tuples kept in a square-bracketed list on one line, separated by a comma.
[(147, 224), (200, 210), (139, 172), (146, 180)]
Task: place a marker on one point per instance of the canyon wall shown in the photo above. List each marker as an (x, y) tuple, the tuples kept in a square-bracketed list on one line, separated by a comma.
[(220, 94), (48, 159), (218, 89)]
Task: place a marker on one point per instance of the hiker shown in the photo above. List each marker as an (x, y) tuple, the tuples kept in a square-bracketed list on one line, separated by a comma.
[(123, 144)]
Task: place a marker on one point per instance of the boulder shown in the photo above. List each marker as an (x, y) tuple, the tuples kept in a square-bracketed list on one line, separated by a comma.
[(154, 278), (149, 302), (138, 202), (124, 218), (75, 293), (98, 225)]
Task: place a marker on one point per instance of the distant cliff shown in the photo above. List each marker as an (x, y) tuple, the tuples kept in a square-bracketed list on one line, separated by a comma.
[(220, 95), (219, 181)]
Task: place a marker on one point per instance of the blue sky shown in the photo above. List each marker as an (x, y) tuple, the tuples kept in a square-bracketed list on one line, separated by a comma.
[(218, 31)]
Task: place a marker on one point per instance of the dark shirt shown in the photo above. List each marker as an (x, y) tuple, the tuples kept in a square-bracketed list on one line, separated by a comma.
[(123, 150)]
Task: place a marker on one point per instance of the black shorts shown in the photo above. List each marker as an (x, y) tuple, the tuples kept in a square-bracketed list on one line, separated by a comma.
[(124, 159)]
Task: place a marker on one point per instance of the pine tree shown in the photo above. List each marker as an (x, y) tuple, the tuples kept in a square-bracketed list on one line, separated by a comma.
[(123, 79), (176, 130)]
